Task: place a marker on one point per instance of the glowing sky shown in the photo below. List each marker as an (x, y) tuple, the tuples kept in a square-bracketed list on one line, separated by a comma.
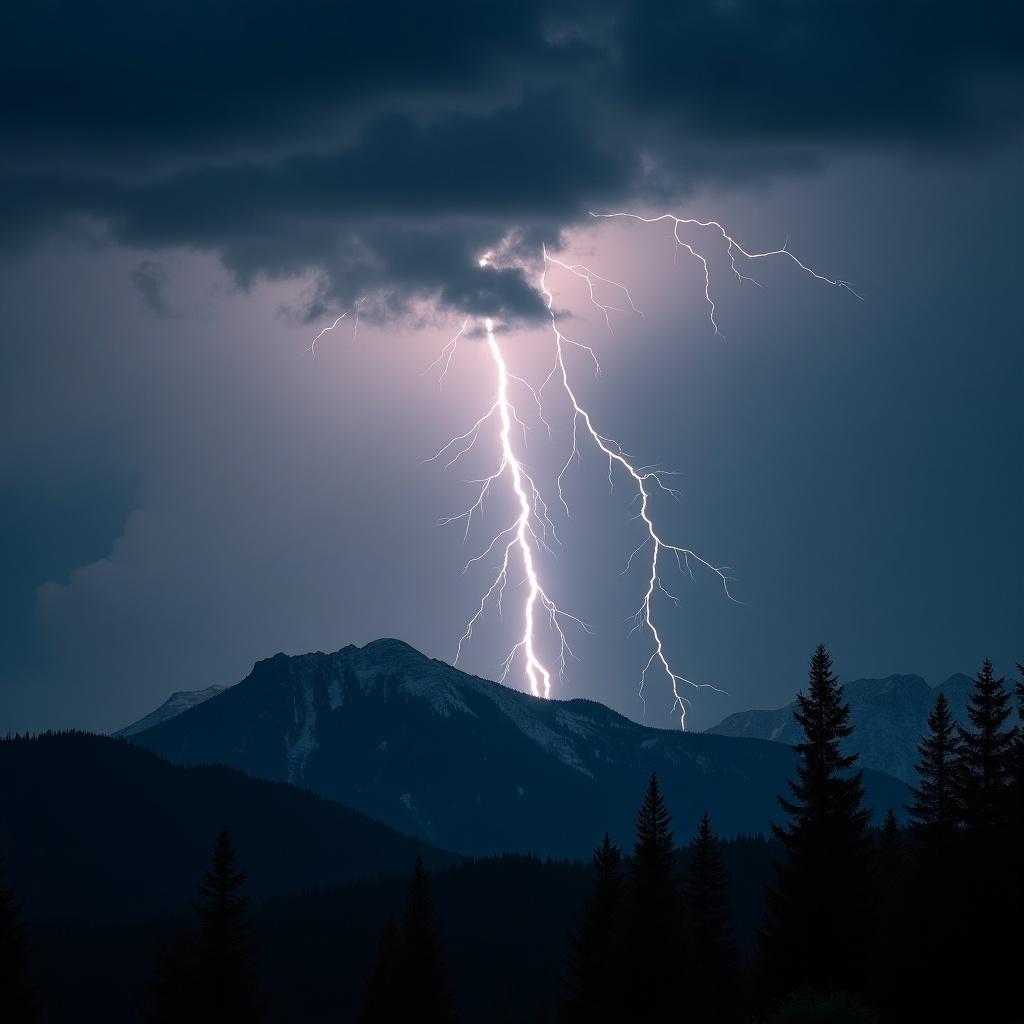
[(184, 490)]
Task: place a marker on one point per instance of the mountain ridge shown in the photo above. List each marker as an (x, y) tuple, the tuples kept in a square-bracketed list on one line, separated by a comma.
[(142, 829), (179, 701), (889, 716), (469, 764)]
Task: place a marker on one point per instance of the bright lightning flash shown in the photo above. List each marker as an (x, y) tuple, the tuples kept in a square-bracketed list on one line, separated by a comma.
[(531, 527), (521, 543)]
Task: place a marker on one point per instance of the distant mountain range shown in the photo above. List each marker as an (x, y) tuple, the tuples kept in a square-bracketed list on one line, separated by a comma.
[(889, 717), (179, 701), (471, 765), (98, 829)]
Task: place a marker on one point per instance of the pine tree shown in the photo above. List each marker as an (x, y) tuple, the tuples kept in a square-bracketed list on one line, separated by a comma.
[(709, 940), (888, 983), (18, 1003), (425, 981), (891, 859), (592, 978), (934, 916), (209, 975), (985, 754), (987, 928), (408, 979), (891, 864), (382, 1002), (818, 919), (227, 958), (1017, 802), (935, 811), (1017, 764), (652, 935)]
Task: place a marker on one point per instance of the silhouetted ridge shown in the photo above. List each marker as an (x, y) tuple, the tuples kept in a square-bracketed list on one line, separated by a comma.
[(141, 828), (470, 764)]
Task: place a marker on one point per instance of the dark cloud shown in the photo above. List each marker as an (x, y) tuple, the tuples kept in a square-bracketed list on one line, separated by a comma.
[(384, 147)]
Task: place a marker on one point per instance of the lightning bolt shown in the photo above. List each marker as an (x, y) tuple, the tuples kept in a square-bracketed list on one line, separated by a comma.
[(330, 327), (446, 355), (531, 532), (645, 480), (732, 250)]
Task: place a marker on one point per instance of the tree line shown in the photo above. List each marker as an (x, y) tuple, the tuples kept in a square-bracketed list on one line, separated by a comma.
[(858, 924)]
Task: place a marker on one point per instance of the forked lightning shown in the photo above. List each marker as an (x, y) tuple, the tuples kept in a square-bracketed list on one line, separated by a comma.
[(521, 544)]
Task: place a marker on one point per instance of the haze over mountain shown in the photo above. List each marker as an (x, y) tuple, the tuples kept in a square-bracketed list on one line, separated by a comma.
[(889, 716), (472, 765)]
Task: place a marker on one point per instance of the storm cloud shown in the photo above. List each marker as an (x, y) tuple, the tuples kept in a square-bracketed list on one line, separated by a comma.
[(380, 149)]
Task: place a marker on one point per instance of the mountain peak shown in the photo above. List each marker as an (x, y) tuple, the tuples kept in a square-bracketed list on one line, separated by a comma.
[(389, 645), (467, 763)]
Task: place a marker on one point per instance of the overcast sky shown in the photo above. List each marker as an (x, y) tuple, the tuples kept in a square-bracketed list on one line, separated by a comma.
[(186, 199)]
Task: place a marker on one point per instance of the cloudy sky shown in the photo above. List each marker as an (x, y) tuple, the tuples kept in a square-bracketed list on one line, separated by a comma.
[(187, 197)]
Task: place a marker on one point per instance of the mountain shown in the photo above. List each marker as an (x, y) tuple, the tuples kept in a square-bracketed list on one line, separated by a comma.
[(94, 828), (889, 716), (180, 701), (471, 765)]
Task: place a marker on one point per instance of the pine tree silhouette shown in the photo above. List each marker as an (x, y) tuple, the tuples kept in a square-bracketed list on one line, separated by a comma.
[(989, 933), (1017, 759), (936, 808), (227, 980), (425, 981), (18, 998), (382, 1002), (818, 920), (1017, 802), (934, 919), (890, 860), (984, 774), (888, 984), (651, 958), (209, 974), (592, 983), (709, 944)]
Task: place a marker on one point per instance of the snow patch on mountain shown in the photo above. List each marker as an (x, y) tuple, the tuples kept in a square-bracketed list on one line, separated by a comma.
[(335, 694), (577, 724), (511, 704), (442, 696), (301, 740), (178, 702)]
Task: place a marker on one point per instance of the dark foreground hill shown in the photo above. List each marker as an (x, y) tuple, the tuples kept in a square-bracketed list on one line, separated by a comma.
[(469, 764), (504, 923), (96, 829)]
